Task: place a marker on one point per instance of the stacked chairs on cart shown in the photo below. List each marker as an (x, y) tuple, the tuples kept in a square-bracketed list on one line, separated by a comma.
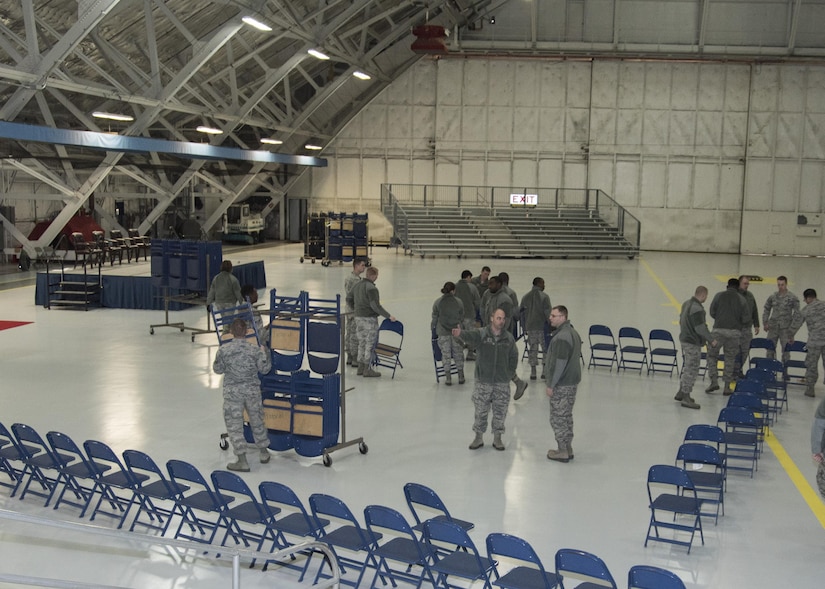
[(454, 554), (674, 505), (527, 572), (113, 482), (323, 341), (76, 474), (40, 464), (795, 364), (602, 347), (706, 469), (387, 351), (287, 330), (760, 347), (153, 492), (649, 577), (426, 505), (741, 438), (290, 519), (400, 555), (11, 460), (200, 508), (222, 319), (352, 544), (778, 381), (662, 352), (632, 348), (581, 565), (438, 360)]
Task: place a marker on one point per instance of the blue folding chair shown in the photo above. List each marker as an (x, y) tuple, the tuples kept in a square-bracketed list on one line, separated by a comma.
[(578, 564), (662, 352), (755, 383), (200, 508), (633, 349), (288, 518), (678, 501), (287, 331), (464, 561), (153, 492), (760, 347), (528, 572), (111, 479), (741, 438), (757, 408), (795, 364), (352, 544), (11, 460), (648, 577), (76, 474), (710, 480), (602, 347), (400, 548), (323, 346), (387, 349), (426, 505), (779, 383), (40, 464)]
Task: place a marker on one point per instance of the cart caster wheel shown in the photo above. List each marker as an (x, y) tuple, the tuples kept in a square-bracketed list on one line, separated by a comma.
[(181, 329), (363, 448), (301, 260), (327, 459), (224, 443), (151, 331), (313, 260)]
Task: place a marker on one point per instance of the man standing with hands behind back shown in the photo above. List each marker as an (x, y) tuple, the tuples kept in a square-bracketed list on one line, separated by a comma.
[(563, 373)]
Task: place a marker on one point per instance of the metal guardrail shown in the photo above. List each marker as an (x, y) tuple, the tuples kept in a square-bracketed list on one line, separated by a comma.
[(480, 198), (223, 552)]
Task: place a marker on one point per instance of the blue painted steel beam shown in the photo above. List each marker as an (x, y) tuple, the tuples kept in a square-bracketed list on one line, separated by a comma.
[(121, 143)]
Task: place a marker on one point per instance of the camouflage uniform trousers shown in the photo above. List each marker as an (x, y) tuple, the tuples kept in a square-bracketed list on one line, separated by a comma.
[(234, 403), (820, 478), (367, 330), (486, 395), (351, 341), (561, 413), (814, 352), (450, 348), (690, 368), (727, 341), (535, 342), (744, 350), (782, 335)]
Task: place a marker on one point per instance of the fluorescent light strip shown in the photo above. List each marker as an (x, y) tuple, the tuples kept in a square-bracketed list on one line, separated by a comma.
[(317, 54), (208, 130), (313, 147), (113, 116), (361, 75), (252, 22), (269, 141)]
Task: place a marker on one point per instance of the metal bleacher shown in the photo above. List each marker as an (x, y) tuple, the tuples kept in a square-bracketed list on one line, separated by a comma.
[(562, 223)]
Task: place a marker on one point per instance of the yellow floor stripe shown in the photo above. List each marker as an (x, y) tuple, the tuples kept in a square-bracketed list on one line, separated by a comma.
[(797, 478)]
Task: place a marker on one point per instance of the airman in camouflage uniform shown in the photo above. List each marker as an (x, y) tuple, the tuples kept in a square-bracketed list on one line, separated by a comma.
[(818, 445), (367, 304), (693, 334), (481, 282), (467, 292), (563, 373), (500, 297), (358, 267), (535, 313), (497, 361), (781, 310), (240, 361), (814, 317), (746, 335), (729, 310), (448, 312)]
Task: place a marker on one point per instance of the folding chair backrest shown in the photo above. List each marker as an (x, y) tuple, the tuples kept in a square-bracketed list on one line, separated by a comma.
[(379, 517), (648, 577), (666, 474), (630, 333), (447, 533), (108, 465), (601, 331), (583, 565), (30, 442), (228, 484), (750, 385), (145, 472), (661, 336), (67, 451), (391, 326), (9, 454), (698, 454), (700, 432), (185, 477), (426, 498), (738, 416), (327, 505), (513, 547), (277, 497), (323, 346)]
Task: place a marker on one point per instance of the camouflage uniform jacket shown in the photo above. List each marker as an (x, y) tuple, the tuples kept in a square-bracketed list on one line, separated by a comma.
[(448, 312), (224, 290), (349, 284), (468, 294), (814, 317), (240, 361), (693, 329), (497, 358), (781, 311), (534, 311), (561, 365)]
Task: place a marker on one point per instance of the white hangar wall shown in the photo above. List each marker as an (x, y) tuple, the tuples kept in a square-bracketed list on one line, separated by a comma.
[(717, 157)]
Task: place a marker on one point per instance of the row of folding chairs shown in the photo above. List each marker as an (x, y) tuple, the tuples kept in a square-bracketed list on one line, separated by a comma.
[(656, 354)]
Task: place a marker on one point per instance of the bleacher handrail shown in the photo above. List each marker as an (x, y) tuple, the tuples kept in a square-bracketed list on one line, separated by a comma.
[(220, 552)]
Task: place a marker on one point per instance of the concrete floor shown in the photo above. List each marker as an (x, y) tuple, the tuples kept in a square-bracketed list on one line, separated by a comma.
[(101, 375)]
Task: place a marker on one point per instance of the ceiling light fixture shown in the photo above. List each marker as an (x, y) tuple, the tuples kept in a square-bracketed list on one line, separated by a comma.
[(253, 22), (113, 116), (361, 75), (270, 141), (313, 147), (317, 54), (208, 130)]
